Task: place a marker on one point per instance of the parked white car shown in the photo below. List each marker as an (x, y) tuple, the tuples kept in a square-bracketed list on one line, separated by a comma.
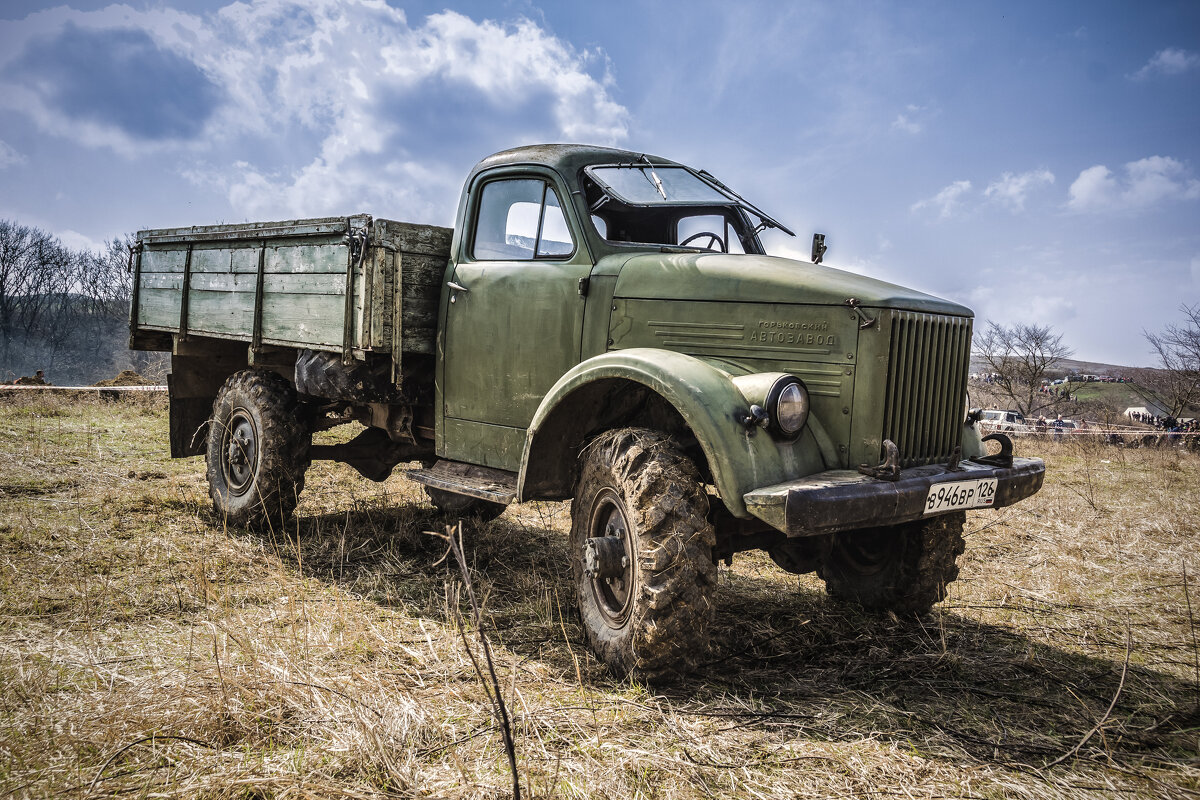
[(1006, 421)]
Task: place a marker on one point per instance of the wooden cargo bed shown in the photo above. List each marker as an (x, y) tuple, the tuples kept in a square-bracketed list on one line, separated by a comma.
[(301, 284)]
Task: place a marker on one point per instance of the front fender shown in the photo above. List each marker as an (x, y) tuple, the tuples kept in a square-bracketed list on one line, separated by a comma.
[(709, 402)]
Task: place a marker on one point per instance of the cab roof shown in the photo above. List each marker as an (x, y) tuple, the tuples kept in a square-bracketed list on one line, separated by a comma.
[(566, 159)]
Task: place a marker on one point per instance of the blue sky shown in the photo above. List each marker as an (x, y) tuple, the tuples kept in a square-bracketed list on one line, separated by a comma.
[(1039, 162)]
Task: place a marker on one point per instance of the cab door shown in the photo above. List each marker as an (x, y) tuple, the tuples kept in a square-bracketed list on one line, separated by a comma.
[(514, 317)]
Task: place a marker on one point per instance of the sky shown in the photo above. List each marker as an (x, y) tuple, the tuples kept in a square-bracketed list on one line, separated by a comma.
[(1038, 162)]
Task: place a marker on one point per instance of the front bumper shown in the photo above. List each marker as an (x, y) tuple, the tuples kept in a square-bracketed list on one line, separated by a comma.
[(842, 500)]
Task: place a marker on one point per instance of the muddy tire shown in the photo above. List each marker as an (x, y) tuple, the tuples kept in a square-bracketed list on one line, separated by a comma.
[(641, 554), (258, 449), (459, 506), (902, 568)]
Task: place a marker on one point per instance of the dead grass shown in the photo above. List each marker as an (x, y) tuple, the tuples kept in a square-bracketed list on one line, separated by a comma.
[(147, 651)]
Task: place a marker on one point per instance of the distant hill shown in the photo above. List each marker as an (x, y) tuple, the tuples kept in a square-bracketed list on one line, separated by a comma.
[(1069, 366)]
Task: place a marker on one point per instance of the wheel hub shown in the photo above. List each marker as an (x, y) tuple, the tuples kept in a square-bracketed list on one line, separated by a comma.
[(604, 557), (607, 559), (240, 452)]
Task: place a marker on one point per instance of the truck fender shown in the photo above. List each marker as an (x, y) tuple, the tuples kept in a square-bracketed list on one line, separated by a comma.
[(740, 458)]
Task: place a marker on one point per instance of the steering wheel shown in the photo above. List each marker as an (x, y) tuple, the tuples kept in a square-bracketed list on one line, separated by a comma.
[(712, 239)]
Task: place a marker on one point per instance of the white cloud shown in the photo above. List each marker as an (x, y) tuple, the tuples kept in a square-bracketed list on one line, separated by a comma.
[(907, 121), (8, 156), (328, 100), (1169, 61), (78, 241), (1011, 189), (1146, 182), (946, 201)]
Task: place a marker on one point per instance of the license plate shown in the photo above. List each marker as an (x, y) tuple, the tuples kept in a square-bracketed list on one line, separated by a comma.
[(960, 494)]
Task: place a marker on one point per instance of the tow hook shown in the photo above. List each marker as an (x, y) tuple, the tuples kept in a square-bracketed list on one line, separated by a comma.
[(1002, 459), (889, 468)]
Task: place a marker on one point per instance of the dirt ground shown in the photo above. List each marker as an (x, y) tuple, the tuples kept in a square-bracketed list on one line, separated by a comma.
[(126, 377), (148, 651)]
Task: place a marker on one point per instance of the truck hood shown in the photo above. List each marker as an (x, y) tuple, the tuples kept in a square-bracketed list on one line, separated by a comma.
[(758, 279)]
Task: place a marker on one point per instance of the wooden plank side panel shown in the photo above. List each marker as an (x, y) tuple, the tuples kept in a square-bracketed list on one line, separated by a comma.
[(159, 307), (380, 299), (422, 252), (240, 260), (420, 293), (224, 313), (309, 319), (328, 256), (242, 231), (164, 259), (162, 280), (409, 237), (394, 296)]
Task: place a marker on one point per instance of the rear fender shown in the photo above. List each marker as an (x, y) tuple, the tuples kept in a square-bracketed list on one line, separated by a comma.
[(710, 403)]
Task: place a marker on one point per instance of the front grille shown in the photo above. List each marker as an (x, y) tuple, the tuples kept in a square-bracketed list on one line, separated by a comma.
[(926, 386)]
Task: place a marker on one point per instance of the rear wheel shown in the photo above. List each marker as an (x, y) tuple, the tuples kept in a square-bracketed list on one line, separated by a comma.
[(258, 450), (903, 568), (641, 553)]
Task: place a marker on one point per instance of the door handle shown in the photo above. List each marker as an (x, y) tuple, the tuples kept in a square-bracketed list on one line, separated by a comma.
[(455, 288)]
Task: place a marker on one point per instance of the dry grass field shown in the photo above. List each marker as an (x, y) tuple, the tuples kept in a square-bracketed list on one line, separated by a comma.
[(147, 651)]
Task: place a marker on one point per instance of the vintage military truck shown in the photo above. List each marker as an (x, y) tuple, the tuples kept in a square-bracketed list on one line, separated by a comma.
[(604, 326)]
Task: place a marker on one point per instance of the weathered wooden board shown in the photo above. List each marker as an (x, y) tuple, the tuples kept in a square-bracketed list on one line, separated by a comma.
[(159, 308), (224, 313), (324, 257), (170, 259), (309, 319), (243, 260)]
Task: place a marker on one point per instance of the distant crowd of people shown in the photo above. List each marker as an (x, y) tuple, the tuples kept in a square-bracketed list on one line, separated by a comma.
[(1168, 424), (1057, 391)]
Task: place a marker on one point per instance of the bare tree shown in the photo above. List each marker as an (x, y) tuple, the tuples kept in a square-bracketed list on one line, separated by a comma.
[(32, 267), (1021, 356), (1177, 381), (63, 310)]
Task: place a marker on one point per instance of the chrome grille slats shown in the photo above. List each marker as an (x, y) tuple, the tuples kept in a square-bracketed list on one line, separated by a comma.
[(926, 384)]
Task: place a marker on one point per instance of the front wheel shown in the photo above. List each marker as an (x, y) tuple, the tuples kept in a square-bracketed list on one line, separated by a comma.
[(641, 553), (258, 450), (903, 568)]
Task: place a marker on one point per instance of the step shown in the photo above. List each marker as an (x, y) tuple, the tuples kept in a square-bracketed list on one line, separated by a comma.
[(484, 483)]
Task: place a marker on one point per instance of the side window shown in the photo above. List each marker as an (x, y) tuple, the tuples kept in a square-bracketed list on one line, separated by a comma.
[(520, 220)]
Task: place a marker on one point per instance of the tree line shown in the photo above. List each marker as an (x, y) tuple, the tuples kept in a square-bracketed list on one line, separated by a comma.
[(64, 311), (1022, 357)]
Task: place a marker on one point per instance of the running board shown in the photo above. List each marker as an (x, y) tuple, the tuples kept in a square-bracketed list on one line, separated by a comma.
[(483, 483)]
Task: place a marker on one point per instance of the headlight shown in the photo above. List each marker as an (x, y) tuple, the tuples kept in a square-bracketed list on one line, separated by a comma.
[(787, 403)]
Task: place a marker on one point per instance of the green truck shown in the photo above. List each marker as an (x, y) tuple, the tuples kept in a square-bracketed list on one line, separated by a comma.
[(603, 326)]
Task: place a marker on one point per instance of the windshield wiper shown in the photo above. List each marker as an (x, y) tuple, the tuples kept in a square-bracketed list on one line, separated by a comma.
[(653, 177), (767, 222)]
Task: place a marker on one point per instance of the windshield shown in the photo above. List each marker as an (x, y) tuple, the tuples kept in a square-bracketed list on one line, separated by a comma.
[(657, 185)]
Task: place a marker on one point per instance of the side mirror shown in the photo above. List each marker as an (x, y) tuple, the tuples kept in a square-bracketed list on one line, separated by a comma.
[(818, 248)]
